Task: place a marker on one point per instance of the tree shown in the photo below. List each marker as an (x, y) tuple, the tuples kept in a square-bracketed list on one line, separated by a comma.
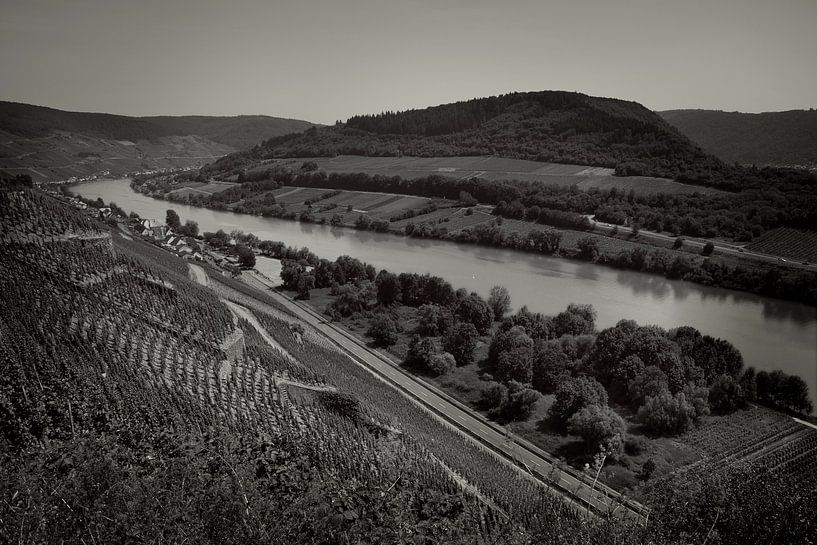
[(305, 283), (190, 229), (383, 330), (466, 199), (420, 351), (246, 257), (388, 288), (516, 364), (550, 366), (460, 341), (172, 220), (576, 320), (433, 320), (573, 395), (601, 429), (678, 244), (475, 310), (650, 382), (726, 395), (500, 301), (789, 392), (503, 341), (519, 405), (708, 249), (588, 249)]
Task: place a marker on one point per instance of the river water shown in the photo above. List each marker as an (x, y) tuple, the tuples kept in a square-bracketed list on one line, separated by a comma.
[(771, 334)]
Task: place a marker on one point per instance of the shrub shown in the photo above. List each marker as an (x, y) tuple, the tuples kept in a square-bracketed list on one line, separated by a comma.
[(635, 445), (493, 395), (441, 364), (383, 330), (600, 428)]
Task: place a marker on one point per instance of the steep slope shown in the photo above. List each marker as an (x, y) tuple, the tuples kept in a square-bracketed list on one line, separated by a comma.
[(769, 138), (51, 144), (552, 126), (135, 405)]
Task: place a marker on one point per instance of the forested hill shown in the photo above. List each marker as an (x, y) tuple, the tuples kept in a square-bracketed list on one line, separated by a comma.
[(769, 138), (236, 132), (553, 126)]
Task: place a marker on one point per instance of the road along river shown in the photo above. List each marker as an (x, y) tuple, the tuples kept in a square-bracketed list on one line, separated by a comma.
[(771, 334)]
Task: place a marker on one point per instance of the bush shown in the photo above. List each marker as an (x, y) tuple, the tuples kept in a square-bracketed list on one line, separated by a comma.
[(635, 445), (588, 249), (383, 330), (601, 429), (708, 249), (492, 395), (667, 414), (441, 364)]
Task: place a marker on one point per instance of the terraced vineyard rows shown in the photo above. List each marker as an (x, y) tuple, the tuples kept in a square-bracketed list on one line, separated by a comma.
[(791, 243), (139, 351), (757, 436)]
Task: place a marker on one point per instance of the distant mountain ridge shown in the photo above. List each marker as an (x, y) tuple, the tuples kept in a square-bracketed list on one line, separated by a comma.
[(50, 144), (237, 131), (553, 126), (771, 138)]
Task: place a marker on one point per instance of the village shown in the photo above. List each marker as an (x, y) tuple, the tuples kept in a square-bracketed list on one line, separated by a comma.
[(187, 246)]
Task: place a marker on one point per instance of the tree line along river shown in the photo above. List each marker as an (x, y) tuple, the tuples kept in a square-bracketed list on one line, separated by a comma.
[(771, 334)]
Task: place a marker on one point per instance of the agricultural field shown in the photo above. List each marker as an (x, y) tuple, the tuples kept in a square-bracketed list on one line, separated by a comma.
[(789, 243), (495, 168)]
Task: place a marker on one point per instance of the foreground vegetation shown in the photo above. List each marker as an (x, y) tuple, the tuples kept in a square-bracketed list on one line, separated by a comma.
[(123, 420)]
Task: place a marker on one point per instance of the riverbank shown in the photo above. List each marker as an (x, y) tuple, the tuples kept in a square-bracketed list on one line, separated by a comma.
[(725, 266), (770, 333)]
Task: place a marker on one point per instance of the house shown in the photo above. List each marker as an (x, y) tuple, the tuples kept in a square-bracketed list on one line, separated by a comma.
[(153, 228)]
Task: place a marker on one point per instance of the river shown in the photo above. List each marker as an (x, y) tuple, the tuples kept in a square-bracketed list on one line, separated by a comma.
[(771, 334)]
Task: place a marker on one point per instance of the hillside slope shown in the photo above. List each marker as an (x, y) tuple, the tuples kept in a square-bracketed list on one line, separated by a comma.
[(135, 405), (51, 144), (769, 138), (551, 126)]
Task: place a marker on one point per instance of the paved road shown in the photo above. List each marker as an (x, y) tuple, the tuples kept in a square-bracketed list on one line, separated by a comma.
[(720, 247), (575, 485)]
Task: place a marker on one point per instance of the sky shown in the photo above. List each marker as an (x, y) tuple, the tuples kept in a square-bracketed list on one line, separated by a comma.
[(324, 60)]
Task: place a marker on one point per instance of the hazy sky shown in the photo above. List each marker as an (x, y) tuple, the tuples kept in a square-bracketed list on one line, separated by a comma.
[(326, 60)]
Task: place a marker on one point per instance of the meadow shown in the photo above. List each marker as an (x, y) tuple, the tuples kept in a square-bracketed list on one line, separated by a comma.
[(497, 168)]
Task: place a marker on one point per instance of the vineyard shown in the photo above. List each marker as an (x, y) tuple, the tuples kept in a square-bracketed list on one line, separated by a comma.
[(136, 402), (111, 342), (758, 437), (790, 243)]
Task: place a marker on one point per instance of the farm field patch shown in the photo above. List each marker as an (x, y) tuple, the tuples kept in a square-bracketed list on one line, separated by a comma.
[(788, 243), (496, 168)]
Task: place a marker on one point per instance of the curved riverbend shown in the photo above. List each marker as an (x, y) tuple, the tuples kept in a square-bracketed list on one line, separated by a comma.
[(771, 334)]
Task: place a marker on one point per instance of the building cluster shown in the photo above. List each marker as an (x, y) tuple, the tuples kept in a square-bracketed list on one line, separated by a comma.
[(167, 239)]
